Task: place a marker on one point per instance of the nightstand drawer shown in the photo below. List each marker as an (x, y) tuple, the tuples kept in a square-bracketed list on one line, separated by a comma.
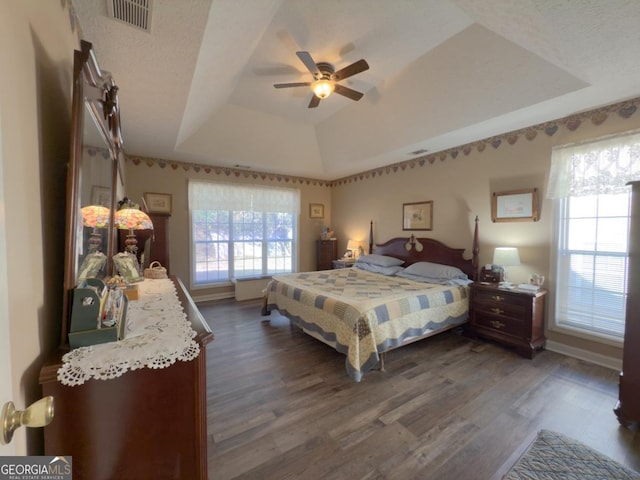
[(502, 309), (509, 326), (500, 297)]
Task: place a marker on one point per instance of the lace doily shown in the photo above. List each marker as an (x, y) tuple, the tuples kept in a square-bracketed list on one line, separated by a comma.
[(157, 334)]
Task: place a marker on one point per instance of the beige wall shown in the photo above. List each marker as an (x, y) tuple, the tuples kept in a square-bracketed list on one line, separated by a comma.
[(36, 60), (461, 188)]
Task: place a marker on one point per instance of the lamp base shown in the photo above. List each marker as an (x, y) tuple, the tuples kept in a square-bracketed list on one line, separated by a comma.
[(131, 243)]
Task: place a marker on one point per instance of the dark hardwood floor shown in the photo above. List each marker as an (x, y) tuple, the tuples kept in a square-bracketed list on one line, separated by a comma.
[(281, 406)]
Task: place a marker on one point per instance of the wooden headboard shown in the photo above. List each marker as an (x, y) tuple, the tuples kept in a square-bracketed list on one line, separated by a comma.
[(432, 251)]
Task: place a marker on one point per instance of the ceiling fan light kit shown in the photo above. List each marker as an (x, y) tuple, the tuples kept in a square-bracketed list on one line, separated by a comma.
[(326, 79), (323, 88)]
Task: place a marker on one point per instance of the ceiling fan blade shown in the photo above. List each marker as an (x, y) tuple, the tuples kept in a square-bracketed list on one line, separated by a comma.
[(350, 70), (315, 101), (309, 63), (288, 85), (348, 92)]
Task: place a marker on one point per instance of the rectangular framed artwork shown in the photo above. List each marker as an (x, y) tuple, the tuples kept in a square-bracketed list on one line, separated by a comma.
[(316, 210), (515, 206), (158, 202), (417, 216)]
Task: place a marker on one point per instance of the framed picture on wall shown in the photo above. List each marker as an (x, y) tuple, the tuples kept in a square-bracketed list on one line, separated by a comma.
[(515, 206), (417, 216), (316, 210), (101, 196), (158, 202)]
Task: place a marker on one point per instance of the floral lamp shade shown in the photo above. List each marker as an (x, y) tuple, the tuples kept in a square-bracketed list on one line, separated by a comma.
[(132, 219), (95, 216)]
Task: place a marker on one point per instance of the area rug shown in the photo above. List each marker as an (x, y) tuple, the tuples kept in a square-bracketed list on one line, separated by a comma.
[(553, 456)]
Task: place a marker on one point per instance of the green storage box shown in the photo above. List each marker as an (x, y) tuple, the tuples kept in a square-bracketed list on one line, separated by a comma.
[(91, 302)]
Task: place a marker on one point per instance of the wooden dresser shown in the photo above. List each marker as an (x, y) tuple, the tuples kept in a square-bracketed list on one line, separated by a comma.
[(628, 407), (511, 317), (146, 423), (326, 253)]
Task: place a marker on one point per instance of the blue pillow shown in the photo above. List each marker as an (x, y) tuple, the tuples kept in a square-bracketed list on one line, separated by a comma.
[(370, 267), (434, 270), (380, 260)]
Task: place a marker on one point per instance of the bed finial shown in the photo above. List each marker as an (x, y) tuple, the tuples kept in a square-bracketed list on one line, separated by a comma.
[(475, 250), (371, 237)]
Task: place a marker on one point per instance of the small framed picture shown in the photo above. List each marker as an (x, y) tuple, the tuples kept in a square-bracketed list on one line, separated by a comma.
[(158, 202), (417, 216), (316, 210), (92, 266), (101, 196), (515, 206), (127, 266)]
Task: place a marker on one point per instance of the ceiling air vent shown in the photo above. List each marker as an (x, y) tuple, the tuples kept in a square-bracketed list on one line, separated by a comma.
[(136, 13), (419, 152)]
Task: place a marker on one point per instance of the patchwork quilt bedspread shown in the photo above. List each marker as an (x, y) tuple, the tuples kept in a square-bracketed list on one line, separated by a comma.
[(363, 314)]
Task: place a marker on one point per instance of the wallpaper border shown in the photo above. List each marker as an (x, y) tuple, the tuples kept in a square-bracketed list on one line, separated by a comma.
[(597, 117)]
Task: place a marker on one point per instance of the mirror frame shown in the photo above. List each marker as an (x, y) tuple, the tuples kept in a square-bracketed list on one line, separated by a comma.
[(96, 90)]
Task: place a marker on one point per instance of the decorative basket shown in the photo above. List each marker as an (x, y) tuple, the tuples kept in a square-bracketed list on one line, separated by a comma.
[(155, 270)]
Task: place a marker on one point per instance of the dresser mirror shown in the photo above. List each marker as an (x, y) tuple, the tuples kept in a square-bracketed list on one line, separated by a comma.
[(94, 179)]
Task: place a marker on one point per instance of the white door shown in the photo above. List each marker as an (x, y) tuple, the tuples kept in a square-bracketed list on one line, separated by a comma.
[(6, 390)]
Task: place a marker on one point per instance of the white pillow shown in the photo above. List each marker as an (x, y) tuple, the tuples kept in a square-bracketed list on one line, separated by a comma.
[(434, 270), (380, 260)]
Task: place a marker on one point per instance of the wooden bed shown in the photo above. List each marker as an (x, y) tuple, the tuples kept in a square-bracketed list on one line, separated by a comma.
[(363, 314)]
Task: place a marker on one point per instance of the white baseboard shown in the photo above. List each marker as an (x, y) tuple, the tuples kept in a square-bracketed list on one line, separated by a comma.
[(586, 355), (212, 296)]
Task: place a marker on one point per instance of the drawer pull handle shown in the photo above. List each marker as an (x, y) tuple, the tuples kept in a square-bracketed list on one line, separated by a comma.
[(497, 310), (496, 324), (497, 298)]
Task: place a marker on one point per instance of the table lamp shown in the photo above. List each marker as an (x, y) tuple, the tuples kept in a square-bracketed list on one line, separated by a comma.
[(354, 247), (95, 216), (506, 257), (132, 219)]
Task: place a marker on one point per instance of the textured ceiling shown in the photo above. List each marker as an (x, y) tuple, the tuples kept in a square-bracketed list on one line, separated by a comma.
[(199, 86)]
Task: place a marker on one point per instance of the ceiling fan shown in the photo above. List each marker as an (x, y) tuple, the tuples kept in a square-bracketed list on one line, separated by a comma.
[(326, 79)]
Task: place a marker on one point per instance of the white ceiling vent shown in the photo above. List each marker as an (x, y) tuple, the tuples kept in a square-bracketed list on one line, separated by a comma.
[(419, 152), (136, 13)]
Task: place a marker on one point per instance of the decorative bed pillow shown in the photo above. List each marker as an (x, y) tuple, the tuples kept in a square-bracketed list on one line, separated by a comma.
[(370, 267), (440, 281), (380, 260), (434, 270)]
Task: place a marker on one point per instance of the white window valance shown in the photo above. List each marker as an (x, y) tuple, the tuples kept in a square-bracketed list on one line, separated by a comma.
[(602, 166), (243, 197)]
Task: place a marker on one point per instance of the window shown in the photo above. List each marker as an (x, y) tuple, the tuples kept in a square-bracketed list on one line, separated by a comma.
[(240, 231), (588, 182)]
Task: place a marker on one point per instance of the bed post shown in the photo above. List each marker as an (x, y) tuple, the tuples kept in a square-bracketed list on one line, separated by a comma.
[(371, 237), (475, 250)]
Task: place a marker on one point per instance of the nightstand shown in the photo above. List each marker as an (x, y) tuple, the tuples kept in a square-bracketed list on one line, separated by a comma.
[(509, 316), (343, 263)]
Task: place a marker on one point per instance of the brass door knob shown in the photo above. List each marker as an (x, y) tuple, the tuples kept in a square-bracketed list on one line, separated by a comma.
[(38, 414)]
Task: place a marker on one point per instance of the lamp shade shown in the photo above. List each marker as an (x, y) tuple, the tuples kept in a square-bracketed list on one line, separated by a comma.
[(352, 245), (506, 256), (95, 216), (132, 219)]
